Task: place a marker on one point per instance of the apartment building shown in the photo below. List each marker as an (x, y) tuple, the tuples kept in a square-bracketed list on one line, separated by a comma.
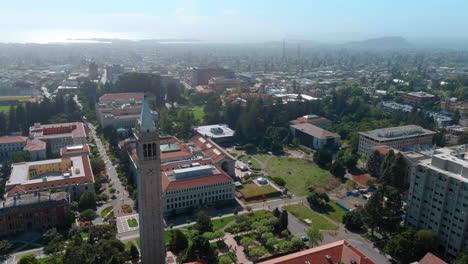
[(438, 197), (395, 137)]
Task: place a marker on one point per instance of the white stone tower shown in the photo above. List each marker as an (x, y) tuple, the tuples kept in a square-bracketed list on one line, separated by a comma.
[(149, 188)]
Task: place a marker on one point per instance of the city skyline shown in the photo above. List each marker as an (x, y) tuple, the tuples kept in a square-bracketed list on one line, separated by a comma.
[(240, 21)]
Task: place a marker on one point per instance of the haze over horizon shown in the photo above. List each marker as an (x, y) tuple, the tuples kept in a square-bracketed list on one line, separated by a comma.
[(228, 21)]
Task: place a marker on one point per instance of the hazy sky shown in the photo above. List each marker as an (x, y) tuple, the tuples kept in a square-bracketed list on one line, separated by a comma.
[(232, 20)]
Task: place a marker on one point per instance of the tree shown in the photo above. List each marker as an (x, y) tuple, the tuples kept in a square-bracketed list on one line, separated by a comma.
[(20, 156), (349, 159), (203, 223), (374, 163), (398, 172), (87, 215), (134, 253), (353, 221), (97, 165), (28, 259), (200, 250), (284, 220), (386, 165), (246, 242), (87, 200), (5, 247), (315, 237), (461, 259), (323, 157), (410, 245), (53, 240), (338, 170), (101, 232), (277, 212), (178, 241), (297, 243), (257, 252), (373, 209)]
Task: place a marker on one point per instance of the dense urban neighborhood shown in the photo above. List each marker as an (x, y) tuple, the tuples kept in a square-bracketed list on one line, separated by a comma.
[(128, 151)]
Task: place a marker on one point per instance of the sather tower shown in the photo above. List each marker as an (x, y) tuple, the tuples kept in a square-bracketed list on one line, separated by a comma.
[(149, 188)]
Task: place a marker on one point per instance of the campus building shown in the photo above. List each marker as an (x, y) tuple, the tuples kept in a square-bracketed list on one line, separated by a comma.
[(201, 76), (218, 133), (438, 197), (71, 174), (417, 97), (57, 136), (33, 212), (315, 120), (121, 110), (336, 252), (12, 144), (314, 137), (395, 137), (194, 184)]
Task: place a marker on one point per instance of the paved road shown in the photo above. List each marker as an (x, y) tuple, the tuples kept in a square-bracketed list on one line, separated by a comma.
[(122, 196), (16, 256)]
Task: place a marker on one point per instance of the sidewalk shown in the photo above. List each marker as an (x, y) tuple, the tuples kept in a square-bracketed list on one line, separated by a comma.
[(230, 242)]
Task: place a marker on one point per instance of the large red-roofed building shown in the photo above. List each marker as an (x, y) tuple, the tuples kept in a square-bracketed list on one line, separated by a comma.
[(59, 135), (336, 252)]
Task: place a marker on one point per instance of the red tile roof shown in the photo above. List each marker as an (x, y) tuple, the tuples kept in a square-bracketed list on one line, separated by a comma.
[(384, 149), (35, 145), (430, 258), (169, 185), (75, 152), (183, 152), (120, 96), (340, 251), (209, 148), (12, 139), (303, 119), (362, 179)]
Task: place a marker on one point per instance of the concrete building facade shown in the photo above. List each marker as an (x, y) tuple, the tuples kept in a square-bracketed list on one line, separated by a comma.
[(395, 137), (314, 137), (438, 197)]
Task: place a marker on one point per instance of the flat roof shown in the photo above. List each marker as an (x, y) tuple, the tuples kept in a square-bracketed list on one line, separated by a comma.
[(400, 132), (315, 131), (20, 171), (215, 131)]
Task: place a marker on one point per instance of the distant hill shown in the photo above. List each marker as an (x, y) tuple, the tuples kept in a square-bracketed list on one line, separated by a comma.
[(380, 43)]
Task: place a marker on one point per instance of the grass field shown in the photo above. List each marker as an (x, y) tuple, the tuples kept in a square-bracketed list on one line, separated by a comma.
[(106, 211), (4, 108), (255, 165), (298, 174), (222, 222), (128, 245), (132, 222), (261, 158), (303, 212), (199, 114), (336, 213), (253, 190), (15, 98)]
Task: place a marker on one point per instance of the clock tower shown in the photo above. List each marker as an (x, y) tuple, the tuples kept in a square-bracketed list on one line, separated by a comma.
[(149, 187)]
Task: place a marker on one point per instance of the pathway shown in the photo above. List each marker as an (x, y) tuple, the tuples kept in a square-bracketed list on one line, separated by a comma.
[(231, 242)]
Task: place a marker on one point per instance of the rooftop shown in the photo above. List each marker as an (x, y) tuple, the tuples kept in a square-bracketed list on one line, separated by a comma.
[(392, 133), (40, 131), (315, 131), (450, 161), (80, 171), (12, 139), (336, 252), (108, 98), (32, 198), (421, 94), (430, 258), (35, 145), (215, 131), (200, 175)]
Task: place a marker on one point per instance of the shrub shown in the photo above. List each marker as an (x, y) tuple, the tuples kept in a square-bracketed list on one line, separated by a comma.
[(278, 180)]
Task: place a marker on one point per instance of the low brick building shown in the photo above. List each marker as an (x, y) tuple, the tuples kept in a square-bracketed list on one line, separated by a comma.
[(33, 212)]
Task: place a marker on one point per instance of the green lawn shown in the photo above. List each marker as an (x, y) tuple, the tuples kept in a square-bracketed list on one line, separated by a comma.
[(336, 213), (106, 211), (298, 174), (132, 222), (84, 234), (138, 242), (50, 259), (4, 108), (261, 158), (199, 114), (222, 222), (255, 165), (15, 98), (303, 212), (128, 245), (253, 190)]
